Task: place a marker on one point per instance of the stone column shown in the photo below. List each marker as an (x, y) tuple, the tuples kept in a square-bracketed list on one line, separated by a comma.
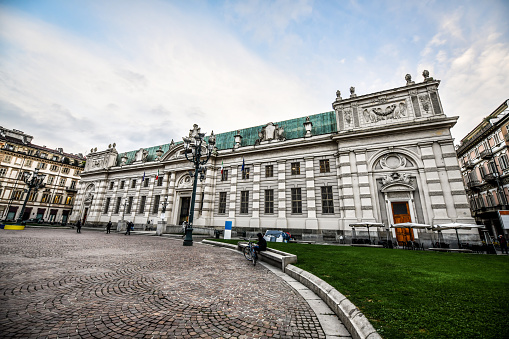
[(365, 195), (255, 218), (311, 221), (434, 170), (168, 190), (281, 221), (208, 201), (346, 185), (98, 202), (233, 195)]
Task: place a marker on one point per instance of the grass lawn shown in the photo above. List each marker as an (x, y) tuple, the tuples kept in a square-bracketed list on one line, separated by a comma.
[(416, 294)]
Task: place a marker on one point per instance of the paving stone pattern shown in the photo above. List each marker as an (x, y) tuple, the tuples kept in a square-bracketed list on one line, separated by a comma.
[(57, 283)]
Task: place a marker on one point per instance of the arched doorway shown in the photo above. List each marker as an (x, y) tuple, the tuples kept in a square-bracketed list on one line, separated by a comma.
[(401, 214)]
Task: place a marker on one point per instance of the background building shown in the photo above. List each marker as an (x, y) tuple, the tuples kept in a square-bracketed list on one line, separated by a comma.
[(54, 202), (485, 167), (382, 157)]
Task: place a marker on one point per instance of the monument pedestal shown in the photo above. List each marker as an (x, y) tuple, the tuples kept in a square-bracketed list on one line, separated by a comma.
[(161, 227), (121, 226)]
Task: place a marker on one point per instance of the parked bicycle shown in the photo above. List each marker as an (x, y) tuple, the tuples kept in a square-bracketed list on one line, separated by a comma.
[(250, 252)]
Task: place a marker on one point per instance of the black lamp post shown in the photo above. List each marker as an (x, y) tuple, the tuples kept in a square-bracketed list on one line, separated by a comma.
[(163, 211), (193, 146), (34, 181)]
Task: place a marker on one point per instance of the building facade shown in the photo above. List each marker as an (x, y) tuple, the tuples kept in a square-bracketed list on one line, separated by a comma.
[(483, 156), (382, 157), (53, 202)]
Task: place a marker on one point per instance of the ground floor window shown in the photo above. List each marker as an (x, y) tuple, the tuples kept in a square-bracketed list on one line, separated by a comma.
[(269, 201), (296, 200), (155, 207), (244, 202), (327, 201), (222, 203)]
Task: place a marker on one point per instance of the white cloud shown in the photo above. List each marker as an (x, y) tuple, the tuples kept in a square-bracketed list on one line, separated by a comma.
[(124, 90)]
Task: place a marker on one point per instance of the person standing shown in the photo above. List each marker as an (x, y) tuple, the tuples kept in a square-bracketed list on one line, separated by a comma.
[(503, 243), (78, 226), (108, 227), (128, 228)]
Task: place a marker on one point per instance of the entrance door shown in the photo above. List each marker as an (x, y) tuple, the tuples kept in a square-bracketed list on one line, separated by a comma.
[(85, 216), (185, 204), (401, 214)]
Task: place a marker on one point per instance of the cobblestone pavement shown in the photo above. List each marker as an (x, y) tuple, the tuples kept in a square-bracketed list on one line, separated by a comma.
[(57, 283)]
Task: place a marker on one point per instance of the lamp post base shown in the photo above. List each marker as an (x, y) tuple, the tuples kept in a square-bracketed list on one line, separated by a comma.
[(188, 241)]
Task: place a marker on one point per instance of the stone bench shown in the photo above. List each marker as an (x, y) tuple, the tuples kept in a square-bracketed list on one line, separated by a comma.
[(273, 257)]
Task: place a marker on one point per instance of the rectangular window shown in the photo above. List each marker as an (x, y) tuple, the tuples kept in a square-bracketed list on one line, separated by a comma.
[(54, 158), (224, 176), (33, 196), (107, 205), (160, 181), (327, 202), (53, 168), (244, 202), (129, 205), (492, 167), (503, 161), (73, 184), (122, 184), (133, 183), (62, 181), (50, 180), (296, 200), (28, 163), (222, 203), (41, 165), (142, 204), (77, 172), (7, 159), (245, 173), (145, 183), (68, 200), (57, 199), (269, 171), (295, 168), (324, 166), (45, 197), (3, 172), (155, 207), (269, 201), (65, 170), (111, 184), (117, 205)]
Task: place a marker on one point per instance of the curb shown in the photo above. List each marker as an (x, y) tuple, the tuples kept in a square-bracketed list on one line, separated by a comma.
[(353, 319)]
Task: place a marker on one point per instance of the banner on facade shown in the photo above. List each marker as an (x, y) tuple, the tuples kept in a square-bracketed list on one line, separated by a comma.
[(227, 230), (504, 219)]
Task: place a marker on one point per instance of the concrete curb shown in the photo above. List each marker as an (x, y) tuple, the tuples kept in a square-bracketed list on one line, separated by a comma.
[(356, 323), (353, 319)]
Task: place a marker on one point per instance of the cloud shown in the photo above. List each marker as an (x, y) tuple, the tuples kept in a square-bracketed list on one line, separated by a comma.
[(123, 88)]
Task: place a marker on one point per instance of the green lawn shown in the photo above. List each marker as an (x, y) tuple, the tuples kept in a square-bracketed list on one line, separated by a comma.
[(416, 294)]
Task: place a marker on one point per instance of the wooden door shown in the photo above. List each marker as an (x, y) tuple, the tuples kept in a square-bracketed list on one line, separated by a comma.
[(401, 213)]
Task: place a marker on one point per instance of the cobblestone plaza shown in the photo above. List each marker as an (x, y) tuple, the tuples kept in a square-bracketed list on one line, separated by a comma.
[(56, 283)]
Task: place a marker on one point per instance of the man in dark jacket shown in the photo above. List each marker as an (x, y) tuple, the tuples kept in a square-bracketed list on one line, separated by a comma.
[(108, 227), (262, 243)]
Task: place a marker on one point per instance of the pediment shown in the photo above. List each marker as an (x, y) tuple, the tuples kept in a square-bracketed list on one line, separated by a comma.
[(397, 187)]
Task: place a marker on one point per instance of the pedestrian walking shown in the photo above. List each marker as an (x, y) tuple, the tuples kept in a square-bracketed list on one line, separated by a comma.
[(128, 228), (78, 226), (503, 243), (108, 227)]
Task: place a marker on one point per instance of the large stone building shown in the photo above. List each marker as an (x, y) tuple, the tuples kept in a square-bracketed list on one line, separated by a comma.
[(382, 157), (484, 164), (54, 202)]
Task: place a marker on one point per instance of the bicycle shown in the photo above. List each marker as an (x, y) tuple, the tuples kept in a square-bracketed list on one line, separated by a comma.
[(250, 252)]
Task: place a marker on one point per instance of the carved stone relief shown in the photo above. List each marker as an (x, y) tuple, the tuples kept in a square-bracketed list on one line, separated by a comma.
[(185, 182), (271, 132), (424, 98), (385, 112), (141, 155)]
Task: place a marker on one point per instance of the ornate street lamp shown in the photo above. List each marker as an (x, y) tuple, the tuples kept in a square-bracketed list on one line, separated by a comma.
[(194, 152), (34, 181)]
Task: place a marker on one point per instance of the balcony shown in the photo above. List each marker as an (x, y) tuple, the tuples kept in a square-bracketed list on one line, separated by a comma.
[(71, 189), (473, 185), (490, 177), (469, 164), (486, 154)]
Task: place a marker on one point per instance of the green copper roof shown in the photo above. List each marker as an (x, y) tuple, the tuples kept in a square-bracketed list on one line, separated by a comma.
[(323, 123)]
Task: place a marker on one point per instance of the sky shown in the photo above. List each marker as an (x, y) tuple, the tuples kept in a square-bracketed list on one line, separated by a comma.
[(84, 74)]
